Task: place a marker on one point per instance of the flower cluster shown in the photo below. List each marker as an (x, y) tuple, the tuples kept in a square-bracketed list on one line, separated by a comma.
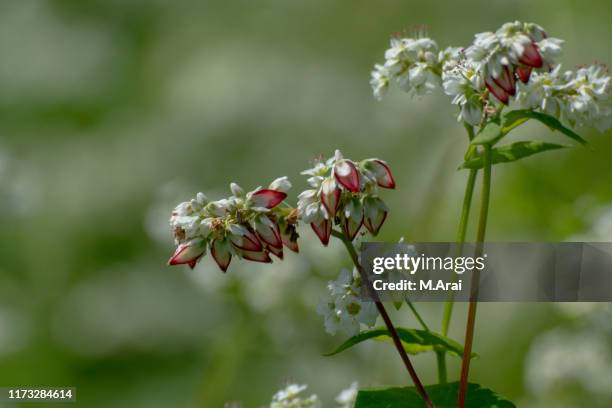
[(248, 225), (510, 53), (345, 193), (580, 97), (289, 398), (517, 62), (414, 64), (344, 310)]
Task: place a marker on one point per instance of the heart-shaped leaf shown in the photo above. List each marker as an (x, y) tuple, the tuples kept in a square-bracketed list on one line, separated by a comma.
[(442, 395)]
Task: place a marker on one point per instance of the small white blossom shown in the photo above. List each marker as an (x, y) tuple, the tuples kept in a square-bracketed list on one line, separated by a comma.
[(347, 397), (344, 310), (462, 81), (412, 63), (289, 398)]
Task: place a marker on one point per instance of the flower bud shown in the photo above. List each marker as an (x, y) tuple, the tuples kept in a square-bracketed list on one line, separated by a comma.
[(375, 213), (323, 229), (256, 256), (236, 190), (347, 175), (330, 196), (242, 238), (188, 253), (531, 56), (278, 252), (202, 199), (524, 73), (267, 198), (221, 252), (381, 172), (505, 80), (497, 91), (289, 236), (281, 184), (352, 218), (268, 231)]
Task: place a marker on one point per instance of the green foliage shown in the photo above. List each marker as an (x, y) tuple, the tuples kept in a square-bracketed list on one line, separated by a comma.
[(512, 152), (442, 395), (414, 341), (495, 131)]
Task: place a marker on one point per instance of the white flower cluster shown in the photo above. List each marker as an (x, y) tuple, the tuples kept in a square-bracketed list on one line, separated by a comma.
[(578, 97), (413, 63), (346, 193), (518, 62), (249, 225), (344, 310), (289, 397)]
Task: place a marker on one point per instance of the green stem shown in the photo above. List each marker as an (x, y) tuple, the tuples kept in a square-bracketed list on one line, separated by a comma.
[(417, 315), (385, 316), (461, 233), (471, 323)]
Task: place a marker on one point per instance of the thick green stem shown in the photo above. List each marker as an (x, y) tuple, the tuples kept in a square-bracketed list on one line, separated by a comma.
[(385, 316), (471, 322)]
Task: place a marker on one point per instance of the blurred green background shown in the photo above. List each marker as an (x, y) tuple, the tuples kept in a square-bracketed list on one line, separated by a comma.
[(113, 111)]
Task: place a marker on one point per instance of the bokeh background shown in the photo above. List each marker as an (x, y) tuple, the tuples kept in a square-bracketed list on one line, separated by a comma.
[(113, 111)]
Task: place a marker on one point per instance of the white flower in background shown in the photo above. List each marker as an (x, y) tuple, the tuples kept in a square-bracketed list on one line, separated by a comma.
[(345, 193), (347, 397), (580, 360), (289, 397), (250, 225), (344, 310)]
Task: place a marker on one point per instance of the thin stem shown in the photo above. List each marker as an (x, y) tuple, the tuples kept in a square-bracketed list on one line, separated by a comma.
[(417, 315), (461, 233), (471, 322), (385, 316)]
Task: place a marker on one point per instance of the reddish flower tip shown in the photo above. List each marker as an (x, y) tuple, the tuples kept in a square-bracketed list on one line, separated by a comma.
[(221, 254), (384, 177), (374, 224), (247, 242), (323, 230), (278, 252), (261, 256), (506, 81), (498, 92), (347, 175), (524, 73), (267, 198), (188, 253), (330, 199), (351, 228), (531, 56)]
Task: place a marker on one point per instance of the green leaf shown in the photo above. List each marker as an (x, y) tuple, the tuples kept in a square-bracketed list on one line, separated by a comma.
[(490, 134), (552, 122), (511, 152), (493, 132), (414, 341), (442, 395)]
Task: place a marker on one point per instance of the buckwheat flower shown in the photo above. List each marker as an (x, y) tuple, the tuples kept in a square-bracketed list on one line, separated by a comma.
[(248, 225), (412, 63), (462, 81), (580, 98), (347, 397), (379, 81), (345, 193), (289, 397), (513, 51), (343, 310)]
